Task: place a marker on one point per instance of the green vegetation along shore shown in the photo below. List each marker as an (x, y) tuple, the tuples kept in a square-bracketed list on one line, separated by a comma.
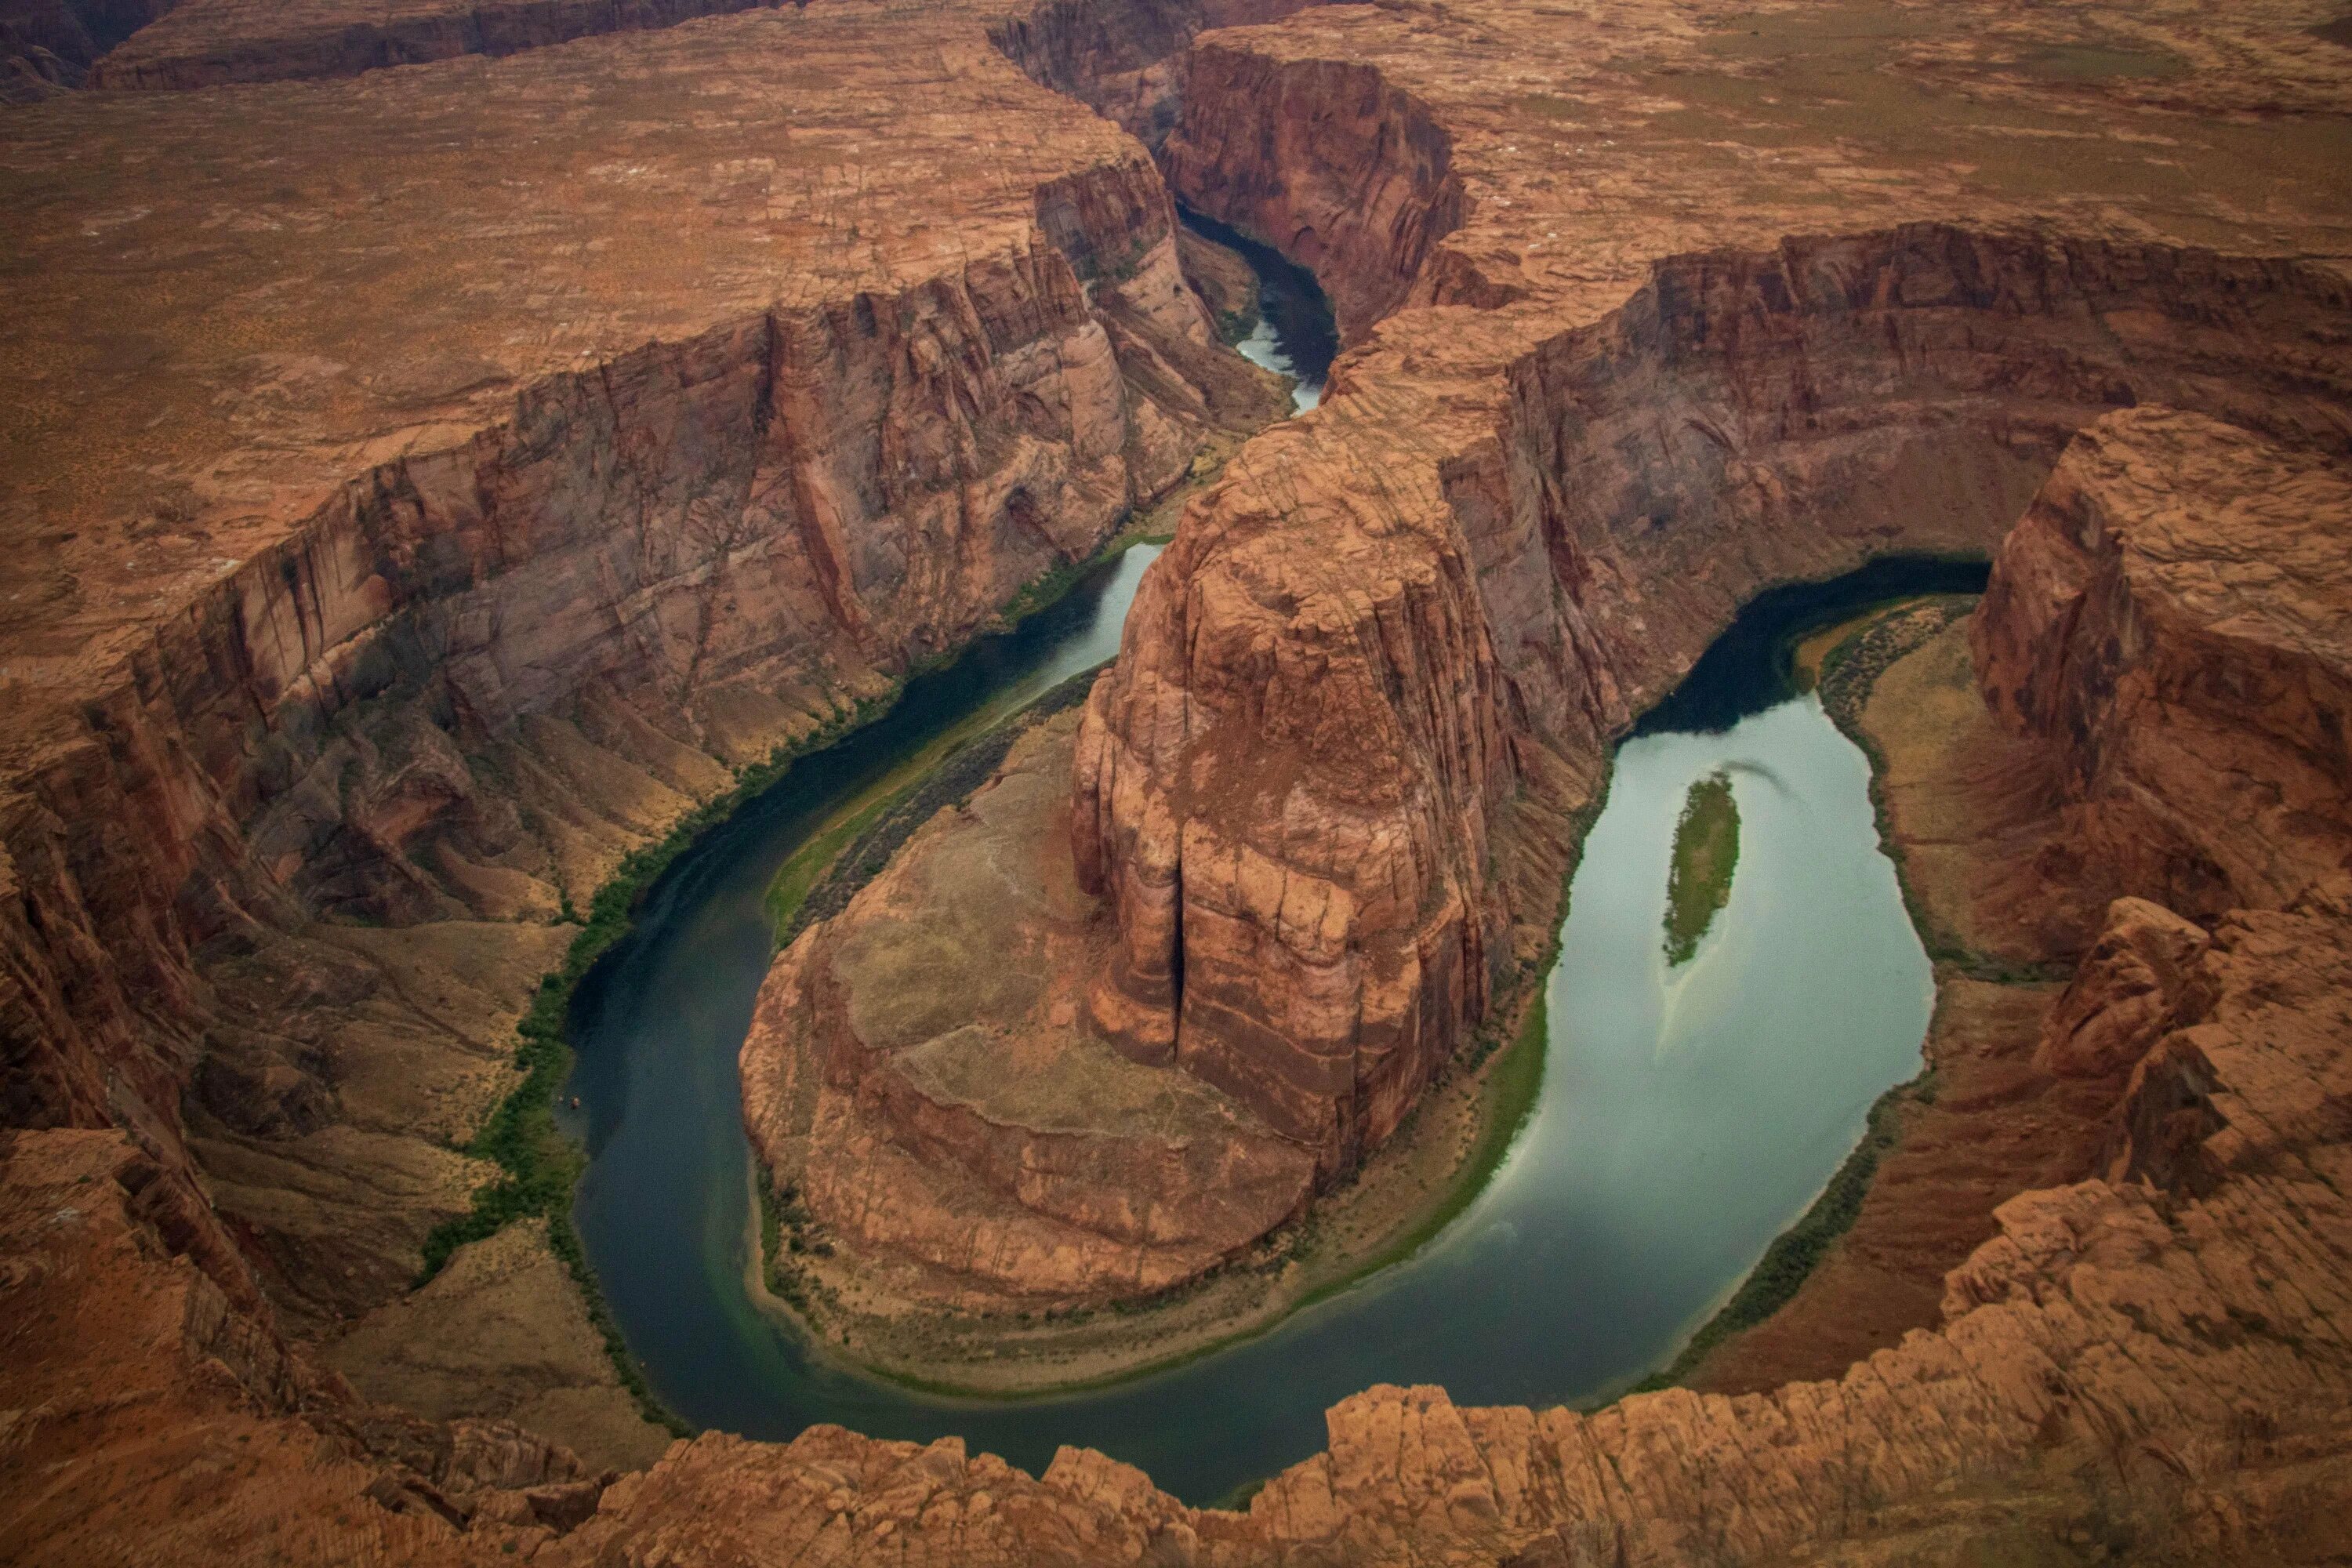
[(1707, 854)]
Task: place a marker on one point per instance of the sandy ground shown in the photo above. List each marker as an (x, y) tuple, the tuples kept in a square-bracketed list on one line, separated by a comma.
[(502, 1332)]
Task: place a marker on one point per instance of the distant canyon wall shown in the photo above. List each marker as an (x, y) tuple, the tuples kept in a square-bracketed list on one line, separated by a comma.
[(1124, 59), (50, 44), (1345, 174), (1116, 57)]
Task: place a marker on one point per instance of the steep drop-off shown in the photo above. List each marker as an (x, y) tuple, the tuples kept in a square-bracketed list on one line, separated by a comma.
[(1324, 792), (362, 623)]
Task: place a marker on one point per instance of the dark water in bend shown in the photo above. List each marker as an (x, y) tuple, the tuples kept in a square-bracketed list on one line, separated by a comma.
[(1685, 1118), (1294, 335)]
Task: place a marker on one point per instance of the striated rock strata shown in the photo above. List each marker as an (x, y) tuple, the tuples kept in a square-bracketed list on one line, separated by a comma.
[(2175, 607), (208, 42), (49, 46), (917, 1071), (371, 600)]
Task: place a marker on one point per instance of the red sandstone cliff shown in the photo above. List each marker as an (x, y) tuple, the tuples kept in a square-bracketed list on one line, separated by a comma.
[(1286, 785), (2172, 609), (1325, 161), (1123, 58), (49, 46), (282, 856), (2156, 1366)]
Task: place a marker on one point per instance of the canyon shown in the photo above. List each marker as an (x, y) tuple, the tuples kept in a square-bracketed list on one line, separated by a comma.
[(431, 488)]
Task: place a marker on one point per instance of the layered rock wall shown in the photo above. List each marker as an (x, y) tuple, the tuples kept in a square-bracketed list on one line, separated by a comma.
[(1121, 59), (1325, 161), (479, 673), (1288, 784), (50, 44), (2171, 612)]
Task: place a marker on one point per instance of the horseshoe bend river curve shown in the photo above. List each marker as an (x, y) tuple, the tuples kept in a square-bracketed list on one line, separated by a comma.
[(1688, 1114)]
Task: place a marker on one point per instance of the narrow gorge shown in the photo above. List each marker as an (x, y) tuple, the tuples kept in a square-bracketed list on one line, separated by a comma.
[(481, 477)]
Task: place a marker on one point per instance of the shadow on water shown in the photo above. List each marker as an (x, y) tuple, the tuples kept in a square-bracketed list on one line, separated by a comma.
[(1752, 665), (1682, 1123), (1296, 335)]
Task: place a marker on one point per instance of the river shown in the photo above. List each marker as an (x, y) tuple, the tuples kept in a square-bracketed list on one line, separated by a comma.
[(1685, 1118)]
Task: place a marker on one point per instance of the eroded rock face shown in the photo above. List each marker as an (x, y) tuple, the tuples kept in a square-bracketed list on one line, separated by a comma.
[(190, 1428), (2172, 612), (1525, 506), (1122, 57), (365, 622), (1285, 785), (49, 46), (1597, 402), (2130, 987), (1325, 161), (915, 1073)]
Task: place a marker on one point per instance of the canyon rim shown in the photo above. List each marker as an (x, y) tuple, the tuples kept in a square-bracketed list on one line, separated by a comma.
[(454, 454)]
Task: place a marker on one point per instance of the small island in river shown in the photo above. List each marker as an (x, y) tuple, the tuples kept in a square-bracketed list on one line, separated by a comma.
[(1707, 854)]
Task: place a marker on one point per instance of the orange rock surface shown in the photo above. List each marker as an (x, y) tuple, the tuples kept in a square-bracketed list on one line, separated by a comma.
[(413, 511), (914, 1070), (420, 489)]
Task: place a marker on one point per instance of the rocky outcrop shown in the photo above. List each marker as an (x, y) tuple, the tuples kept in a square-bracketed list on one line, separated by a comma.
[(1285, 786), (2127, 993), (1418, 614), (2172, 612), (189, 1429), (912, 1074)]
